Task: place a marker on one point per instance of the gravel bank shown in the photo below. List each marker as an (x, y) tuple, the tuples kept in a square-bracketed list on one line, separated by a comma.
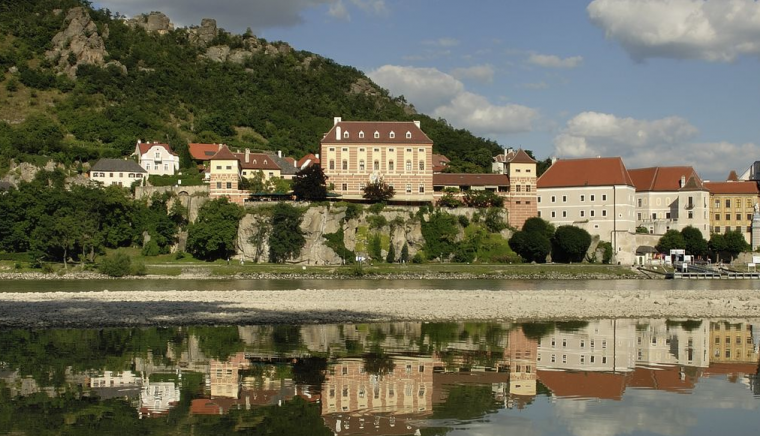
[(146, 308)]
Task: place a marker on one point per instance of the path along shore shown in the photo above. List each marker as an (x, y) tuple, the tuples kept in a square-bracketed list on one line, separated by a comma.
[(149, 308)]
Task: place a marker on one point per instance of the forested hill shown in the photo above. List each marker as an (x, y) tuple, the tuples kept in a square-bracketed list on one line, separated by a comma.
[(79, 84)]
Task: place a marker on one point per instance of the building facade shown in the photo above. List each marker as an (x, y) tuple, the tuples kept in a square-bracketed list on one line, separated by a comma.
[(118, 172), (670, 198), (224, 176), (357, 153), (156, 158), (732, 206), (595, 194)]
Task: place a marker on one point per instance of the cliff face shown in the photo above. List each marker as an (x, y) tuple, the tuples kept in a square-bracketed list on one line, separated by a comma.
[(401, 227)]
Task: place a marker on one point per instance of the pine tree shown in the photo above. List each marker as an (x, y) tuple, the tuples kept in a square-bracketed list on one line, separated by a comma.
[(405, 253), (391, 257)]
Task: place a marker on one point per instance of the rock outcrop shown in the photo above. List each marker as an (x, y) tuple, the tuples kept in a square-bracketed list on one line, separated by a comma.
[(204, 34), (78, 44), (154, 22)]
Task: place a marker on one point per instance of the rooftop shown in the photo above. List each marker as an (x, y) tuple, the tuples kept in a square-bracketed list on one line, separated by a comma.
[(376, 132), (599, 171)]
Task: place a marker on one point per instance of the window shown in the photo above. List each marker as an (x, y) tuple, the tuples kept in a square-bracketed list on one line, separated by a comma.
[(332, 148), (345, 165), (408, 188), (638, 216), (376, 165), (604, 197), (554, 358), (393, 135), (564, 214), (345, 134), (391, 166), (376, 150), (717, 204), (361, 165), (408, 165), (728, 203), (749, 217), (554, 214), (517, 188), (377, 135), (592, 197), (218, 185), (229, 185), (408, 150), (422, 189), (583, 198), (738, 217), (554, 199), (583, 359), (344, 187), (717, 217), (592, 213), (583, 213), (717, 229), (728, 217), (604, 212), (391, 150), (691, 214), (527, 188), (408, 135), (422, 165), (564, 343), (332, 164), (564, 198), (639, 202), (564, 358), (361, 136), (421, 150)]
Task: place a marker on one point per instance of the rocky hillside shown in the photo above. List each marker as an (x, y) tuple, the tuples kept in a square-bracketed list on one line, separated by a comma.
[(78, 83)]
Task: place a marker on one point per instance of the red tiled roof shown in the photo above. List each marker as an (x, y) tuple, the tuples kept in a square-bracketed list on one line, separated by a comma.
[(660, 179), (732, 176), (516, 156), (203, 151), (584, 384), (383, 128), (144, 147), (600, 171), (744, 187), (663, 378), (439, 162), (461, 179), (223, 154), (310, 158), (257, 161)]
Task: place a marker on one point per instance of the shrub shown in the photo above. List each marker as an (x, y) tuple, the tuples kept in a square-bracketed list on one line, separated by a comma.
[(533, 247), (570, 244), (116, 265), (418, 258), (151, 248), (353, 210), (377, 221), (463, 221), (376, 208), (494, 222)]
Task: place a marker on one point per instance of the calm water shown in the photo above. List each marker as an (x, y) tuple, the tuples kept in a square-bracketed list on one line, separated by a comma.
[(602, 377)]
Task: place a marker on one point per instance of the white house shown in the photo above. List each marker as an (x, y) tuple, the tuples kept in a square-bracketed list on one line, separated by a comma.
[(157, 159), (119, 172)]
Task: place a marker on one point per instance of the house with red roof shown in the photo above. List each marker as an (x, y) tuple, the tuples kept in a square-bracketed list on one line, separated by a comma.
[(156, 158), (670, 198), (307, 161), (596, 194), (357, 153)]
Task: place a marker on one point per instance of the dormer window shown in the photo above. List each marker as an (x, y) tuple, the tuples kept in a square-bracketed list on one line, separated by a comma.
[(393, 135), (265, 162), (361, 135), (377, 135), (345, 135), (408, 135), (254, 161)]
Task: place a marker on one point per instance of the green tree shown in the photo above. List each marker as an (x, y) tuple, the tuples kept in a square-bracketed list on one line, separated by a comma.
[(391, 256), (404, 258), (539, 225), (735, 243), (570, 244), (286, 238), (671, 240), (116, 265), (378, 191), (213, 234), (310, 184), (694, 243), (375, 247), (531, 246)]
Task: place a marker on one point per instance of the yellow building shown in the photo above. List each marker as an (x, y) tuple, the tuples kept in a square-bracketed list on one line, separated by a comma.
[(732, 343), (732, 206)]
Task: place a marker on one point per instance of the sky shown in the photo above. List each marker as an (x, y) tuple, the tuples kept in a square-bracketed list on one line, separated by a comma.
[(657, 82)]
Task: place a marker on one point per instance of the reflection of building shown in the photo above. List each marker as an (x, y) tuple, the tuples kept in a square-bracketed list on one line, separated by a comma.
[(353, 399), (224, 377), (663, 342), (113, 379), (156, 398), (732, 343), (584, 384), (602, 345), (521, 357)]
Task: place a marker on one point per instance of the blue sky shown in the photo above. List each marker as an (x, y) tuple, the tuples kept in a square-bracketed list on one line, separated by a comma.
[(658, 82)]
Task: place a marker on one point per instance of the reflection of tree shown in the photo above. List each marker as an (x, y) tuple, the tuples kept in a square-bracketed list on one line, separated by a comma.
[(218, 342), (466, 402), (296, 417), (689, 325), (286, 338), (571, 326), (310, 371), (537, 330), (377, 362)]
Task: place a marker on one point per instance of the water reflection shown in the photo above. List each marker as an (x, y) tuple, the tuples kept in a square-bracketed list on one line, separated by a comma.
[(395, 378)]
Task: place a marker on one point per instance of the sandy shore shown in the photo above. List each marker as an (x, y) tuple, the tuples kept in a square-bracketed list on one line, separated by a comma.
[(146, 308)]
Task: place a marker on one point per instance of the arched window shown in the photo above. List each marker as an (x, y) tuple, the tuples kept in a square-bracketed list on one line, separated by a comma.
[(422, 165), (361, 165), (361, 135), (377, 134), (393, 135), (391, 166), (345, 134), (332, 164), (345, 165), (408, 165), (377, 165), (408, 135)]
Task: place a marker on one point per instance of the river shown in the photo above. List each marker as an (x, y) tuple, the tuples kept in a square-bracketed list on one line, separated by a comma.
[(640, 376)]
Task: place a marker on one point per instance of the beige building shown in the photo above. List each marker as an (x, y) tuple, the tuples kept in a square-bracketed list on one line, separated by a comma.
[(732, 206), (670, 198), (117, 172), (224, 176), (595, 194), (357, 153)]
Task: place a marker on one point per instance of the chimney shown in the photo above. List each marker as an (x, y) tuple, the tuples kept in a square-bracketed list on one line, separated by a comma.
[(683, 181), (337, 133), (417, 123), (317, 155), (336, 120), (279, 153), (247, 155), (554, 160)]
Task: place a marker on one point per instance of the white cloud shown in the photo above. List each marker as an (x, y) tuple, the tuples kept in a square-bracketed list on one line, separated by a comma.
[(442, 95), (552, 61), (478, 73), (712, 30), (237, 15), (644, 143)]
